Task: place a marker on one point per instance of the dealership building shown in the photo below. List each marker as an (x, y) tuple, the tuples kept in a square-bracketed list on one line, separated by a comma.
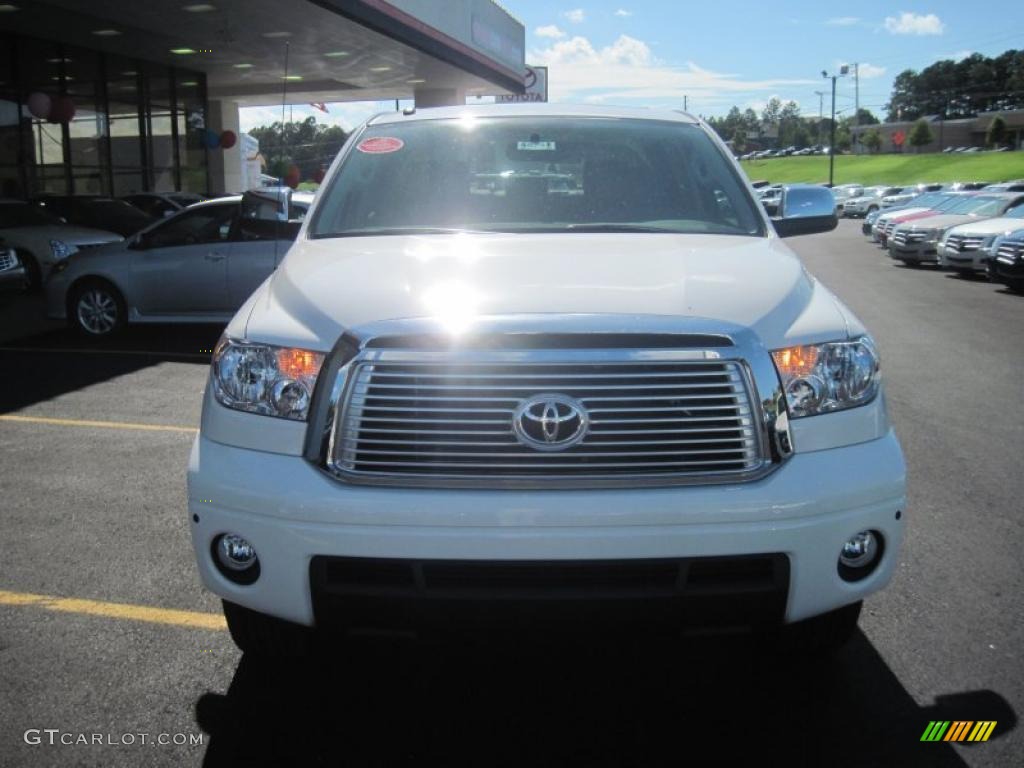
[(122, 96)]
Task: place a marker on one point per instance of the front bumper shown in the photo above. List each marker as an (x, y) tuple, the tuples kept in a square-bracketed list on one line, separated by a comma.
[(292, 513), (924, 250), (1007, 268), (972, 259)]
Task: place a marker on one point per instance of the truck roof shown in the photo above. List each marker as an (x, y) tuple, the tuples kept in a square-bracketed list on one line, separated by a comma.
[(532, 110)]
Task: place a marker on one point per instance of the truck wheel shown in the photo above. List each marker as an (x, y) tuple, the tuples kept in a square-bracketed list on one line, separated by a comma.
[(821, 634), (96, 308), (263, 635)]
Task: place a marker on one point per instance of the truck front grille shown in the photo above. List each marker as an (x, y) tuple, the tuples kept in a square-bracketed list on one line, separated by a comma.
[(466, 420)]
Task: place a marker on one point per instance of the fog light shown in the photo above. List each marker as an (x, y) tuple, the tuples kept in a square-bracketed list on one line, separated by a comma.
[(859, 555), (236, 558)]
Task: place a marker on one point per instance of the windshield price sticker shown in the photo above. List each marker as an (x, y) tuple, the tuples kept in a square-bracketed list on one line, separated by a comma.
[(536, 146), (380, 145)]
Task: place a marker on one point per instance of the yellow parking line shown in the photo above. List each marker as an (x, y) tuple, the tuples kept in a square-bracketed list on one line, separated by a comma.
[(171, 616), (100, 424)]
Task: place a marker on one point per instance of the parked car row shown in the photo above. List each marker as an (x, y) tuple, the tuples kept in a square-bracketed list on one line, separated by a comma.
[(967, 231), (786, 152)]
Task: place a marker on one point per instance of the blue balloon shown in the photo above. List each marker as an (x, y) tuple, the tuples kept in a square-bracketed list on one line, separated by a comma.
[(211, 139)]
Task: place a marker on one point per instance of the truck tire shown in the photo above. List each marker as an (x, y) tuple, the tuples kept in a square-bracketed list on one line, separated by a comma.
[(820, 634), (263, 635)]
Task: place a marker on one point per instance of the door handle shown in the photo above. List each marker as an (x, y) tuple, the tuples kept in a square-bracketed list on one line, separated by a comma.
[(215, 257)]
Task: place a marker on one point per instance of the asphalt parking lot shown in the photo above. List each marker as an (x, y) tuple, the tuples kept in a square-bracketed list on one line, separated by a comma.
[(93, 447)]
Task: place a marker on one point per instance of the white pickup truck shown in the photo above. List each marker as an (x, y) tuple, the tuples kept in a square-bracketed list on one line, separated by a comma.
[(545, 359)]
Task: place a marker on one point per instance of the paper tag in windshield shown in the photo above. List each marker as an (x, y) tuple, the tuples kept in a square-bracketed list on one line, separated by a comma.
[(536, 146)]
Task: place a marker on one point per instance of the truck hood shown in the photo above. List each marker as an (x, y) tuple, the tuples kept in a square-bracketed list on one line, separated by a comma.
[(326, 286), (998, 226)]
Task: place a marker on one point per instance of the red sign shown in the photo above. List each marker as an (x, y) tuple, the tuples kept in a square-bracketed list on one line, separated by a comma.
[(899, 137)]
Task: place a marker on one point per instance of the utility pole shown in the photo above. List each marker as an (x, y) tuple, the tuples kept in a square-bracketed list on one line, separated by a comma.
[(821, 112), (856, 107), (685, 107), (843, 70)]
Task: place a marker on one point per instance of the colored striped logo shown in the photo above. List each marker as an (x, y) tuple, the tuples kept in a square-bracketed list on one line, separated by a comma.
[(958, 730)]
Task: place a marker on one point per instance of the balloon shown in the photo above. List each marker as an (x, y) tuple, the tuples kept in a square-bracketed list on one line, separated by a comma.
[(318, 176), (39, 105), (62, 110), (293, 177), (211, 139), (228, 139)]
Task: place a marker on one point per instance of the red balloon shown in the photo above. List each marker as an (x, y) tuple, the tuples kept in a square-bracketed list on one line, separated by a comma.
[(228, 139), (293, 177), (62, 110), (318, 177)]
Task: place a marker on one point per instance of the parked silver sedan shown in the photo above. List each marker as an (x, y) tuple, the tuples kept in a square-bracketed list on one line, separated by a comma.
[(197, 266)]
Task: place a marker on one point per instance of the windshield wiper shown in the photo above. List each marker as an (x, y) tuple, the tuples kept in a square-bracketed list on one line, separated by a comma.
[(407, 231), (612, 227)]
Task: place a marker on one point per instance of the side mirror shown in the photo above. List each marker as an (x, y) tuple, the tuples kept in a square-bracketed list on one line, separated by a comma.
[(805, 209), (139, 242)]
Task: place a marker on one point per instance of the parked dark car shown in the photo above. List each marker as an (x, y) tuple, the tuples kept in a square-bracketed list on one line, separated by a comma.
[(13, 278), (1007, 266), (98, 212)]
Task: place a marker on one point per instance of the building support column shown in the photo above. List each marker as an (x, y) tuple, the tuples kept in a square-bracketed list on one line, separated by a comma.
[(225, 171)]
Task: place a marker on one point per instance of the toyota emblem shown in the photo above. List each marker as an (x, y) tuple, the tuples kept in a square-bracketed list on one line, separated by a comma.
[(550, 422)]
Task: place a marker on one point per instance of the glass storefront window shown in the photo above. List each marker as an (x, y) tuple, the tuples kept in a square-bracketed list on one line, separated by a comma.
[(136, 125), (191, 122)]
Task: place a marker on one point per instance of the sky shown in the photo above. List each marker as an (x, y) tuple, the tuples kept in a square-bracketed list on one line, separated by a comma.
[(652, 53)]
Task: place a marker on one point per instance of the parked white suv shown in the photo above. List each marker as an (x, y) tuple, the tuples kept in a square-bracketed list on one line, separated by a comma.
[(967, 248), (552, 358)]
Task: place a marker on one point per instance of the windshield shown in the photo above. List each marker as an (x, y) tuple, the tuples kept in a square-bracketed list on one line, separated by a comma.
[(25, 215), (1015, 213), (979, 206), (517, 174)]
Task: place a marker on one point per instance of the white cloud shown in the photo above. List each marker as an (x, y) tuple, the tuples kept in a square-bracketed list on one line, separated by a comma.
[(575, 16), (867, 71), (627, 70), (842, 21), (551, 30), (914, 24), (623, 13)]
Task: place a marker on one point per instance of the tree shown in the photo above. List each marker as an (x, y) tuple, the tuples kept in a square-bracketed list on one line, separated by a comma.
[(306, 144), (772, 112), (866, 117), (921, 134), (871, 139), (996, 134)]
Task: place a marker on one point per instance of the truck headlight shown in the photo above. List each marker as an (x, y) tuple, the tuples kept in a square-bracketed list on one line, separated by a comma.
[(821, 378), (265, 379), (61, 250)]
